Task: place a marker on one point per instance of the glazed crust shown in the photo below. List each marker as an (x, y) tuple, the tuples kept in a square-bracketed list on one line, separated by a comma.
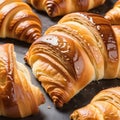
[(104, 106), (80, 48), (61, 7), (113, 15), (18, 21)]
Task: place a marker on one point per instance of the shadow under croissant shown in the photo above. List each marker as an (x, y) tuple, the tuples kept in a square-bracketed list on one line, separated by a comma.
[(107, 5), (13, 41), (85, 95), (38, 116)]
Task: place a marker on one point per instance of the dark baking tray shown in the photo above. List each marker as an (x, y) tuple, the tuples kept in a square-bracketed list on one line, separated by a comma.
[(48, 111)]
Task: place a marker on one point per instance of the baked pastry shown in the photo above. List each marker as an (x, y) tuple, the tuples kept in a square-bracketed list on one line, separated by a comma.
[(81, 48), (61, 7), (113, 15), (18, 21), (18, 96), (104, 106)]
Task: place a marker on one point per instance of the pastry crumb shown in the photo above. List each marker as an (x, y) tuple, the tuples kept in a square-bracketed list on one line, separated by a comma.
[(49, 107)]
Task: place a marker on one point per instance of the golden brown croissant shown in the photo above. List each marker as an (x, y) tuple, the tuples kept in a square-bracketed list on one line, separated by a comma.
[(61, 7), (104, 106), (18, 97), (81, 48), (113, 15), (17, 20)]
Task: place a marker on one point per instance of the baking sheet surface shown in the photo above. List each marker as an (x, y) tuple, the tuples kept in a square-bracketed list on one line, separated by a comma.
[(48, 110)]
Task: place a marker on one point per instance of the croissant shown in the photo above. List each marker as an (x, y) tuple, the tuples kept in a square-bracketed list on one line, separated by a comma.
[(18, 21), (113, 15), (61, 7), (18, 97), (104, 106), (81, 48)]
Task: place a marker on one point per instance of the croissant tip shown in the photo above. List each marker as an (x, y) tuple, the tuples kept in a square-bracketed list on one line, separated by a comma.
[(43, 99), (74, 116), (51, 8), (57, 102), (50, 11)]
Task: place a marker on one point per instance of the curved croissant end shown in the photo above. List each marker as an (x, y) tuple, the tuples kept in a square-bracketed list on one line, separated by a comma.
[(104, 106), (72, 53), (113, 15), (18, 97), (52, 8), (61, 7), (18, 21)]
